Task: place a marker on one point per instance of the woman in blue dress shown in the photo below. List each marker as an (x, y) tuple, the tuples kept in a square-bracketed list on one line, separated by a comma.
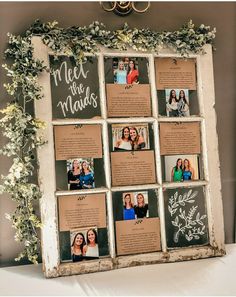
[(188, 171), (120, 74), (86, 176), (128, 211)]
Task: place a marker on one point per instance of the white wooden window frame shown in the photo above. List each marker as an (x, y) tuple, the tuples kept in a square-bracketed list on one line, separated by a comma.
[(212, 183)]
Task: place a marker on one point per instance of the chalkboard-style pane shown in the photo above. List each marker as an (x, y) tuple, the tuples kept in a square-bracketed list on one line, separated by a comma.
[(74, 88), (186, 217)]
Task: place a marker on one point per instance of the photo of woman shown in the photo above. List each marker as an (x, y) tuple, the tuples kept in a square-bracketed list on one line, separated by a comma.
[(177, 171), (91, 249), (128, 211), (172, 105), (80, 174), (120, 74), (74, 176), (183, 106), (86, 176), (181, 168), (188, 171), (177, 102), (137, 141), (141, 208), (77, 247), (126, 137), (124, 143), (133, 74)]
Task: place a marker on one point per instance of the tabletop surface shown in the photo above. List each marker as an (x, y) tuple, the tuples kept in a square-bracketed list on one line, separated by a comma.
[(212, 276)]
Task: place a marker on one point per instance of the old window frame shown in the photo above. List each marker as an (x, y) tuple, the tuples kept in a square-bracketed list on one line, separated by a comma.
[(48, 204)]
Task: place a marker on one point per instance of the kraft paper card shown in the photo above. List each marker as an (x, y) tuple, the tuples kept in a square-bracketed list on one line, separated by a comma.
[(175, 73), (81, 210), (72, 141), (180, 138), (138, 236), (133, 168), (128, 100)]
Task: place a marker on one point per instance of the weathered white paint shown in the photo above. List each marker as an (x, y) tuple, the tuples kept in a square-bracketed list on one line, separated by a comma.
[(130, 120), (213, 197), (47, 179), (196, 183), (82, 192), (180, 119), (211, 182), (135, 188)]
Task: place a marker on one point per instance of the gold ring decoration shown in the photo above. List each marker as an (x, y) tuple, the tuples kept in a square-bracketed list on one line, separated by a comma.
[(109, 9), (122, 8), (140, 11), (124, 4)]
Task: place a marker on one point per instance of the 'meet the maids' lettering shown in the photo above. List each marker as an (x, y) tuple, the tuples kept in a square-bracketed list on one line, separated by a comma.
[(74, 89)]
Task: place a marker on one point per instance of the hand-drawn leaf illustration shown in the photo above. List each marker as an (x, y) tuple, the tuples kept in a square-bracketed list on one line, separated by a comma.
[(198, 216), (185, 224)]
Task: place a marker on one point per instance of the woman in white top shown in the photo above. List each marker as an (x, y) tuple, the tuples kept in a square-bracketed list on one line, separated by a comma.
[(91, 249), (125, 142)]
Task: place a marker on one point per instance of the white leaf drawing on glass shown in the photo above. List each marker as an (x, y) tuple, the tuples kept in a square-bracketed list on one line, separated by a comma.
[(190, 224)]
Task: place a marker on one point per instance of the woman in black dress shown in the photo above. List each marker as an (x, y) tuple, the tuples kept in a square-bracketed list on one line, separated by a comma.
[(77, 247), (74, 176), (141, 209)]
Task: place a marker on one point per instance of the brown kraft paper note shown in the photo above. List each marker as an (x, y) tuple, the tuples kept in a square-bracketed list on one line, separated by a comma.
[(73, 141), (81, 210), (180, 138), (175, 73), (133, 168), (138, 236), (128, 100)]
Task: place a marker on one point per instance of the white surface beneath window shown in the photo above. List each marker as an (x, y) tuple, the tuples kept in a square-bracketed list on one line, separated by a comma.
[(213, 276)]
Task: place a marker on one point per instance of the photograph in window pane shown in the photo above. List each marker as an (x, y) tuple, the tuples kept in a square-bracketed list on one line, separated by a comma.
[(79, 157), (136, 220), (128, 91), (79, 218)]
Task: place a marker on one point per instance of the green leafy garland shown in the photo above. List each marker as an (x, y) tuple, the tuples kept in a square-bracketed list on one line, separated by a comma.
[(23, 130)]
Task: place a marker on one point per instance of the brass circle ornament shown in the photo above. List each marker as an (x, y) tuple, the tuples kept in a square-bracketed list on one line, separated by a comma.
[(122, 8)]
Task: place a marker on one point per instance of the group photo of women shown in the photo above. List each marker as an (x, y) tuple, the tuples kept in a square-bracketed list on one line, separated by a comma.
[(84, 244), (126, 72), (177, 103), (80, 174), (135, 205), (181, 168), (129, 137)]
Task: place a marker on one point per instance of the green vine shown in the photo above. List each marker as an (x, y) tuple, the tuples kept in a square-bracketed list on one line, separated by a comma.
[(23, 130)]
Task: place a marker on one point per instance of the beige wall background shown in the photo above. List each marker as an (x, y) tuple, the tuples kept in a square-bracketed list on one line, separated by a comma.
[(16, 17)]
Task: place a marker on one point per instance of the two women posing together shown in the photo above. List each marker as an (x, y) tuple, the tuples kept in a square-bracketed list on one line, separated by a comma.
[(126, 76), (81, 249), (80, 176), (182, 171), (177, 106), (130, 140)]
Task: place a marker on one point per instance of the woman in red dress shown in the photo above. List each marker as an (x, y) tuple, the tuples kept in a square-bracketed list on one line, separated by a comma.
[(132, 77)]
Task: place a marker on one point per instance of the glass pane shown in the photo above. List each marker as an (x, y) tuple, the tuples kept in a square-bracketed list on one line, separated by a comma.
[(186, 217), (74, 88)]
